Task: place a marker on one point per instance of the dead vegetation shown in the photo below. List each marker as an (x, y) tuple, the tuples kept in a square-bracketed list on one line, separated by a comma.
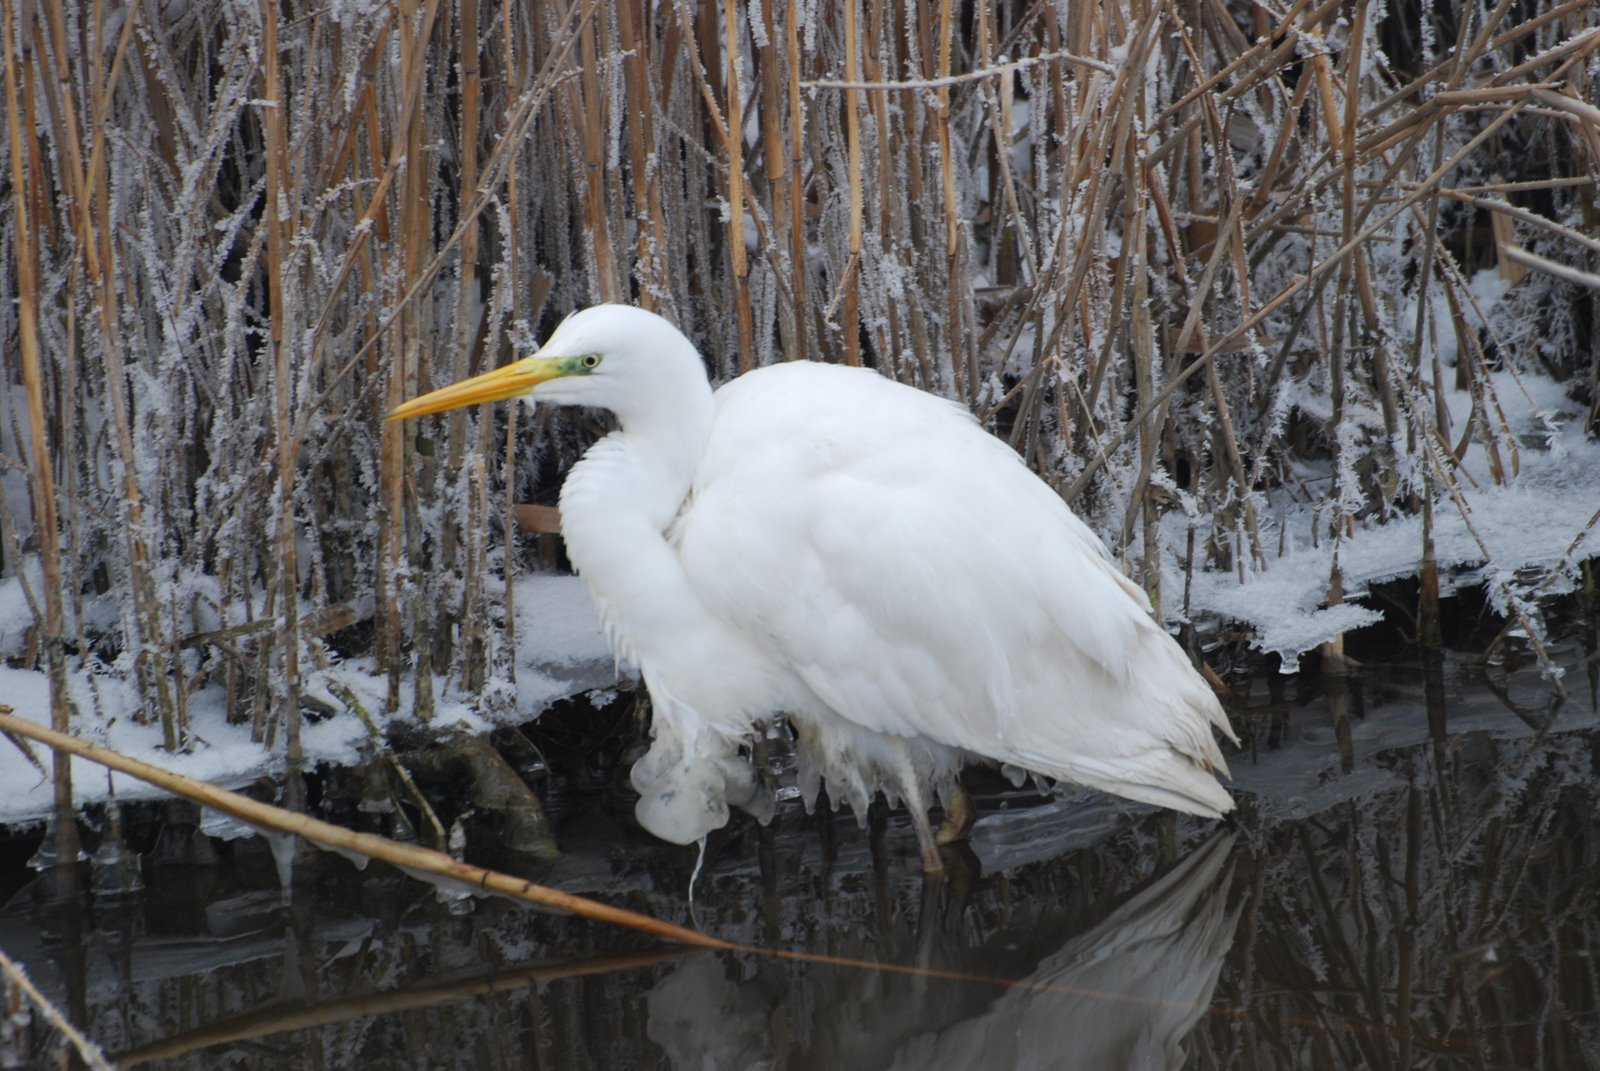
[(1179, 254)]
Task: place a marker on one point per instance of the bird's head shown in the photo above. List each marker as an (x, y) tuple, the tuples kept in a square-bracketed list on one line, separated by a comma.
[(610, 356)]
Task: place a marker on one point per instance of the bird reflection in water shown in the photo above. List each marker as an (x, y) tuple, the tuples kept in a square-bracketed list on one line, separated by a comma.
[(1123, 993)]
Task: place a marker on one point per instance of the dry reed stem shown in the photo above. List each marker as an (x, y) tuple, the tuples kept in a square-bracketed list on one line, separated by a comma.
[(264, 816), (517, 126), (92, 1055), (640, 104), (592, 106), (474, 654), (353, 703), (464, 335), (1589, 280), (850, 280), (961, 381), (278, 195), (509, 456), (41, 478), (796, 194), (988, 73), (733, 160), (1278, 156), (90, 193)]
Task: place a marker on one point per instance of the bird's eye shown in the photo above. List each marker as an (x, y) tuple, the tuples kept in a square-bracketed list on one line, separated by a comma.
[(590, 361)]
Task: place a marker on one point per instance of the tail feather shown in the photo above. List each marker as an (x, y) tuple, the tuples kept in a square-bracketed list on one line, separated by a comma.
[(1164, 778)]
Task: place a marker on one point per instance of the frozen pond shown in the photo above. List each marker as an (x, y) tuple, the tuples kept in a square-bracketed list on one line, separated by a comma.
[(1413, 880)]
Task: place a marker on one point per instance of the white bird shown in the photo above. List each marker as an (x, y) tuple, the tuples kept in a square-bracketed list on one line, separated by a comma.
[(825, 543)]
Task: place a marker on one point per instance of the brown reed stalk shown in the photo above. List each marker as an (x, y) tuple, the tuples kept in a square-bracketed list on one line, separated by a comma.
[(415, 222), (392, 455), (850, 278), (89, 198), (473, 616), (86, 1051), (651, 240), (733, 160), (25, 180), (774, 171), (1430, 634), (885, 332), (1226, 241), (279, 820), (464, 334), (1382, 382), (277, 226), (1132, 266), (961, 379), (517, 73), (592, 106), (798, 259)]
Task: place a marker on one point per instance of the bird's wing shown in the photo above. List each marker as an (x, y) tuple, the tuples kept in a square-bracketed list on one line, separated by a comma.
[(921, 582)]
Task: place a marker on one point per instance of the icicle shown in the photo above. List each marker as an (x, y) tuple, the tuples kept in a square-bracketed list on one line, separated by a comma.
[(357, 859), (47, 858), (114, 870), (282, 845), (224, 826), (456, 896)]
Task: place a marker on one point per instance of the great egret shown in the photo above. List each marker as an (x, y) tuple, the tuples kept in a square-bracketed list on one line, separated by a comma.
[(824, 543)]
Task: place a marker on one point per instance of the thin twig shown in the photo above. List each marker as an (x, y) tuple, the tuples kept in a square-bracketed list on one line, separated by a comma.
[(1005, 68), (91, 1054), (1550, 267)]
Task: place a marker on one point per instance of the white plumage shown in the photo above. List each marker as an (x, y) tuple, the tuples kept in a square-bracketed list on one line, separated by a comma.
[(826, 543)]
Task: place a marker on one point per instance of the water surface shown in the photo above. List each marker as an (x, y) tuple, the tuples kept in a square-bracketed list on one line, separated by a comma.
[(1412, 880)]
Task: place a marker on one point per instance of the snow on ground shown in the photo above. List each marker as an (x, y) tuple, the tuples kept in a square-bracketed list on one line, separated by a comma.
[(223, 754), (562, 653), (1529, 523)]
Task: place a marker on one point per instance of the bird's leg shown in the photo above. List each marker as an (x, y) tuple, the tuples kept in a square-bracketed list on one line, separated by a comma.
[(932, 861), (911, 790), (959, 816)]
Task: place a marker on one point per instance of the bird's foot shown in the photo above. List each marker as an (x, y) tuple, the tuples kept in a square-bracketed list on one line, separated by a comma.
[(962, 873), (959, 817)]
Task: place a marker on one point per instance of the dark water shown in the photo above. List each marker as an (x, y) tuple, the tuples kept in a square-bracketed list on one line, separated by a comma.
[(1413, 880)]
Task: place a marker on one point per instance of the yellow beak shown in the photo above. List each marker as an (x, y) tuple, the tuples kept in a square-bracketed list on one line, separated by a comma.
[(517, 378)]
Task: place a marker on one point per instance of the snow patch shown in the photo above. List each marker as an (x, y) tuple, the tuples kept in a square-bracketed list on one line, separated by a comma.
[(561, 652)]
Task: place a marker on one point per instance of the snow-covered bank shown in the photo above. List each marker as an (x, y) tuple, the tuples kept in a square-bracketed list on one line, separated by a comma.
[(562, 653), (1534, 527)]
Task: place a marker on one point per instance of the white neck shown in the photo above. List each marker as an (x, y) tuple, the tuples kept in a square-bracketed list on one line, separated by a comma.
[(619, 500)]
